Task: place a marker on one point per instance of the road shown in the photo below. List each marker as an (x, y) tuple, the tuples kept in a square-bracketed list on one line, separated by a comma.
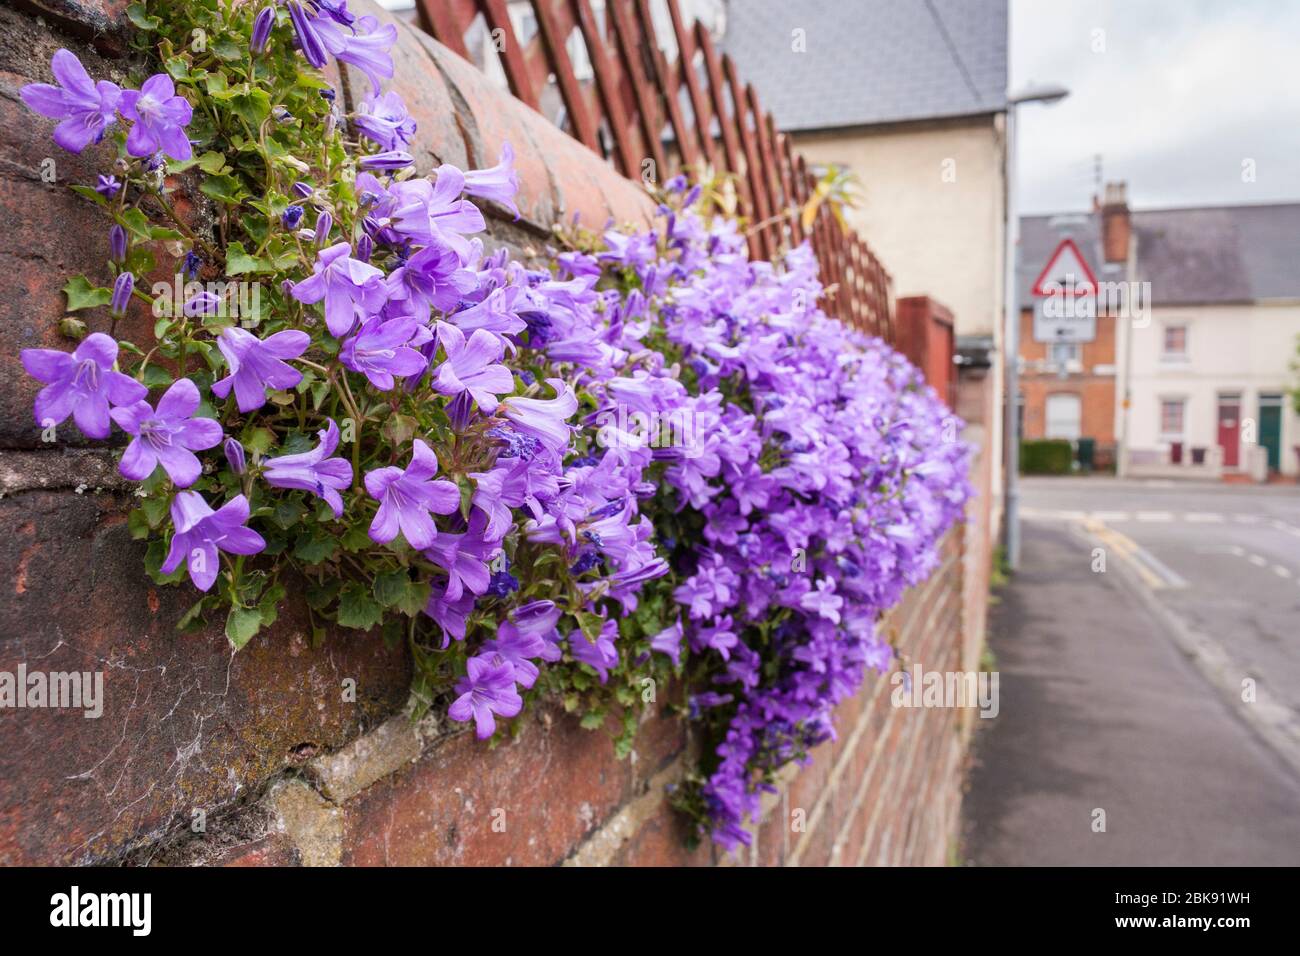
[(1149, 653)]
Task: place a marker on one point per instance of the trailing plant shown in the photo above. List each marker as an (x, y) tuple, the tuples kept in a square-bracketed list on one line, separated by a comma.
[(645, 463)]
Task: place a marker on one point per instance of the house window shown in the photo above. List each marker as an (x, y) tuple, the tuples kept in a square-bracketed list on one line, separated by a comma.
[(1064, 415), (1172, 413), (1066, 356), (1174, 346)]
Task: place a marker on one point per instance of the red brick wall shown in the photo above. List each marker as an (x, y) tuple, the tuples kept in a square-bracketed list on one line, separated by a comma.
[(1096, 391), (267, 747)]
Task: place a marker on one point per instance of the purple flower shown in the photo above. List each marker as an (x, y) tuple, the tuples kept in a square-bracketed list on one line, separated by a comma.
[(160, 118), (407, 496), (488, 689), (600, 654), (87, 108), (499, 182), (122, 289), (314, 471), (108, 186), (517, 648), (301, 190), (824, 601), (430, 279), (544, 419), (81, 385), (381, 350), (385, 120), (262, 25), (234, 452), (669, 641), (472, 367), (351, 288), (324, 223), (258, 364), (291, 217), (202, 532), (464, 557), (436, 212), (366, 47), (309, 40), (390, 160), (167, 436), (117, 243)]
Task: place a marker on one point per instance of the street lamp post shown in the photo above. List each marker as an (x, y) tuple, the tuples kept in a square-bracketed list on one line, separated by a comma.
[(1011, 338)]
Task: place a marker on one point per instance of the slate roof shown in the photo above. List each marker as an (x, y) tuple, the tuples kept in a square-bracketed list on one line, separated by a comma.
[(871, 61), (1195, 256)]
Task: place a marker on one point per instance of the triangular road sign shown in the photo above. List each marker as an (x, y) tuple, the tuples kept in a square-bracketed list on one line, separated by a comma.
[(1066, 273)]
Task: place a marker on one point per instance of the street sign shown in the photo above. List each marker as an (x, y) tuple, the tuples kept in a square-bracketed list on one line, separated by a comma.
[(1065, 298), (1066, 273), (1064, 320)]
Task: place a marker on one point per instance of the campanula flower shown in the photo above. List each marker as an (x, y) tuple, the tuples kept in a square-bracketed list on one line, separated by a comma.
[(86, 107), (366, 46), (488, 689), (518, 649), (291, 217), (544, 419), (262, 25), (108, 186), (385, 120), (123, 287), (600, 654), (235, 457), (472, 366), (168, 435), (407, 496), (352, 289), (160, 118), (258, 364), (499, 182), (309, 40), (201, 532), (436, 212), (117, 243), (81, 384), (314, 470), (388, 161), (464, 557), (382, 351)]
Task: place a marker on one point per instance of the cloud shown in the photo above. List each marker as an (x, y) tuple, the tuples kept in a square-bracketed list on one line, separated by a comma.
[(1174, 95)]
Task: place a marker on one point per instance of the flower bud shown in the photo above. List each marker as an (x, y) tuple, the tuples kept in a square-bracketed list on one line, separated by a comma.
[(235, 455), (117, 244), (262, 28), (324, 223), (122, 290)]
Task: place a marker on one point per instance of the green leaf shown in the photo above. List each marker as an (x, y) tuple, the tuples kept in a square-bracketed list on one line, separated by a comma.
[(314, 546), (155, 376), (224, 189), (138, 224), (592, 720), (137, 14), (214, 164), (357, 609), (82, 295), (137, 524), (241, 624), (192, 620)]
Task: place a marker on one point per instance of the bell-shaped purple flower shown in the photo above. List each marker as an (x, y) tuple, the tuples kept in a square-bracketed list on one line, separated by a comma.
[(160, 118), (107, 186), (385, 120), (87, 108), (544, 419), (382, 351), (81, 384), (499, 183), (314, 470), (309, 40), (407, 496), (487, 690), (366, 46), (351, 288), (471, 366), (258, 364), (201, 532), (167, 436), (430, 279)]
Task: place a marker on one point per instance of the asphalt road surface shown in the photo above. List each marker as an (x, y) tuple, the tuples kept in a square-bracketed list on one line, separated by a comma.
[(1149, 660)]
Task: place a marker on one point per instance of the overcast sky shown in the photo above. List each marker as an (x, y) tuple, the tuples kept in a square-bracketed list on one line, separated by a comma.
[(1181, 93)]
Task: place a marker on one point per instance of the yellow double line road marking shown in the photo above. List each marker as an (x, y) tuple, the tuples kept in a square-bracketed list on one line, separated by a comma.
[(1154, 574)]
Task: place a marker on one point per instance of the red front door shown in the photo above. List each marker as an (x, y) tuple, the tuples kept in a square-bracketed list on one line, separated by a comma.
[(1229, 430)]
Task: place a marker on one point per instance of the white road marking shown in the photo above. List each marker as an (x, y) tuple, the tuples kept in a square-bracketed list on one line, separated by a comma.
[(1246, 519), (1280, 571), (1150, 516), (1257, 561), (1202, 517), (1110, 516)]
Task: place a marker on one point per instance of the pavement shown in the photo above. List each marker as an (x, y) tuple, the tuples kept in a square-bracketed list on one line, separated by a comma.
[(1163, 691)]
